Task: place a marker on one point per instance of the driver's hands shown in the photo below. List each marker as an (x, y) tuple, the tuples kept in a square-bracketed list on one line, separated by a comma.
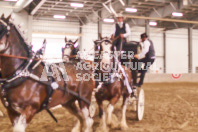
[(121, 36), (136, 56)]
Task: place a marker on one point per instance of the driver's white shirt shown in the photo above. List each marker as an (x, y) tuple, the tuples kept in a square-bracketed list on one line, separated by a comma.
[(127, 28)]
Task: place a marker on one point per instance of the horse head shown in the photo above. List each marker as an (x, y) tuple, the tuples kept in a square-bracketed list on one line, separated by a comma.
[(4, 31), (70, 48), (104, 44), (104, 48)]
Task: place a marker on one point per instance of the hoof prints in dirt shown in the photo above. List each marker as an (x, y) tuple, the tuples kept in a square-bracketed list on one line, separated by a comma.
[(169, 107)]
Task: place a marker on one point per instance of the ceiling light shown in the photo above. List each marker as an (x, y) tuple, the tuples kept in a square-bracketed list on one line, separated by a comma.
[(153, 23), (178, 14), (130, 9), (108, 20), (77, 5), (59, 16)]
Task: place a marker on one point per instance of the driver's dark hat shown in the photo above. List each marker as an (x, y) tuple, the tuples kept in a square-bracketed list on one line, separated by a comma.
[(144, 35)]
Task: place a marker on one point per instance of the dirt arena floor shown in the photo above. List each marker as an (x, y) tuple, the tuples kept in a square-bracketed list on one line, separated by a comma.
[(170, 107)]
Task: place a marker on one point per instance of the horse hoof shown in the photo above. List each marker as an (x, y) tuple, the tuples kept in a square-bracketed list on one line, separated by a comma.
[(124, 127), (99, 129), (114, 123), (1, 113), (75, 130)]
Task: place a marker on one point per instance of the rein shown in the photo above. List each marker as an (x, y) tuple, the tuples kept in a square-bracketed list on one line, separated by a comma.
[(115, 38), (26, 58), (14, 56)]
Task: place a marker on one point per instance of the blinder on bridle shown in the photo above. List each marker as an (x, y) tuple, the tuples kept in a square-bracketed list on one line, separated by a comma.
[(68, 45), (99, 42), (4, 30), (106, 40)]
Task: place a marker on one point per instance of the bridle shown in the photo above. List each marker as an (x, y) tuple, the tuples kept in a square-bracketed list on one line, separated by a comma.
[(68, 45), (99, 42), (5, 31)]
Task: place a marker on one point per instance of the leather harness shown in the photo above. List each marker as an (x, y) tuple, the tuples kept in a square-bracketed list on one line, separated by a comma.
[(24, 72)]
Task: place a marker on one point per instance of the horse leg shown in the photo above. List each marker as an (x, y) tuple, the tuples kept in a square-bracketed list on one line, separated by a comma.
[(20, 121), (86, 114), (102, 126), (123, 124), (1, 113), (110, 109), (73, 109)]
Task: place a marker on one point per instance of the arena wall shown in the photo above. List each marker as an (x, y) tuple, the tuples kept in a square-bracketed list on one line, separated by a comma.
[(161, 78), (176, 46)]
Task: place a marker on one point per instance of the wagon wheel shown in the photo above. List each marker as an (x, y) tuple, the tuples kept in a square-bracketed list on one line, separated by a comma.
[(140, 104)]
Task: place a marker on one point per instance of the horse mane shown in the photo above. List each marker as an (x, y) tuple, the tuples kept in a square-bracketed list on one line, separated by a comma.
[(22, 40)]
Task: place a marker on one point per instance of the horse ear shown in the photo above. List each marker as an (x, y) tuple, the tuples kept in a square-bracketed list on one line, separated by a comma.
[(8, 18), (2, 16), (65, 39), (75, 41), (100, 36)]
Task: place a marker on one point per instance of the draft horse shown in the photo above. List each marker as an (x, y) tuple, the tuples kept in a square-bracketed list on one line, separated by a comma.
[(23, 95), (112, 87)]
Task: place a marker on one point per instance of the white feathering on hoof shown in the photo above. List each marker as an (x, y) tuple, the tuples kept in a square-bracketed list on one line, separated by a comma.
[(112, 120), (109, 112), (77, 127), (123, 124), (88, 120), (20, 124), (103, 125)]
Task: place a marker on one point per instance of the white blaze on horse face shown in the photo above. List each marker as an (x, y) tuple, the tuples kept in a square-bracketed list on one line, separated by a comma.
[(67, 51), (106, 52), (20, 124)]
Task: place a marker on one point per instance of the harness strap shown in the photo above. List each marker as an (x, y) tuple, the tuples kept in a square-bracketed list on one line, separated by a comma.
[(4, 32), (51, 114)]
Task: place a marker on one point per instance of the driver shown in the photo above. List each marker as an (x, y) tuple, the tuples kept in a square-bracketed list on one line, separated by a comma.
[(147, 56), (121, 29)]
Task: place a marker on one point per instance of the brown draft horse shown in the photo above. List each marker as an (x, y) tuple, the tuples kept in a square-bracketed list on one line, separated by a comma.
[(110, 90), (25, 98)]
